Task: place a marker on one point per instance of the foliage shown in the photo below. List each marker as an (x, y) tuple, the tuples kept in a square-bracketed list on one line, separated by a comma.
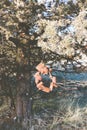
[(65, 32), (23, 21)]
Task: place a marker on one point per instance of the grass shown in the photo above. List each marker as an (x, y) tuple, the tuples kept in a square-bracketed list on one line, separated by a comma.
[(67, 111), (64, 110)]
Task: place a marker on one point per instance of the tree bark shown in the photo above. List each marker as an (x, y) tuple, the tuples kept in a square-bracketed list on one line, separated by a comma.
[(19, 109)]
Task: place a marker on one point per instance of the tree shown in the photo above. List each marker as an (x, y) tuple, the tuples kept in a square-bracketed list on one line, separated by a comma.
[(24, 27), (17, 43)]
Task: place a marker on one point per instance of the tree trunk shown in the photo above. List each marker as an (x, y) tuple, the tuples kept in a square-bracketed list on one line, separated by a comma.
[(19, 100), (19, 108)]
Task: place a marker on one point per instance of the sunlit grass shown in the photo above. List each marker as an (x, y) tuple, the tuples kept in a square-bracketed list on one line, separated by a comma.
[(71, 114)]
